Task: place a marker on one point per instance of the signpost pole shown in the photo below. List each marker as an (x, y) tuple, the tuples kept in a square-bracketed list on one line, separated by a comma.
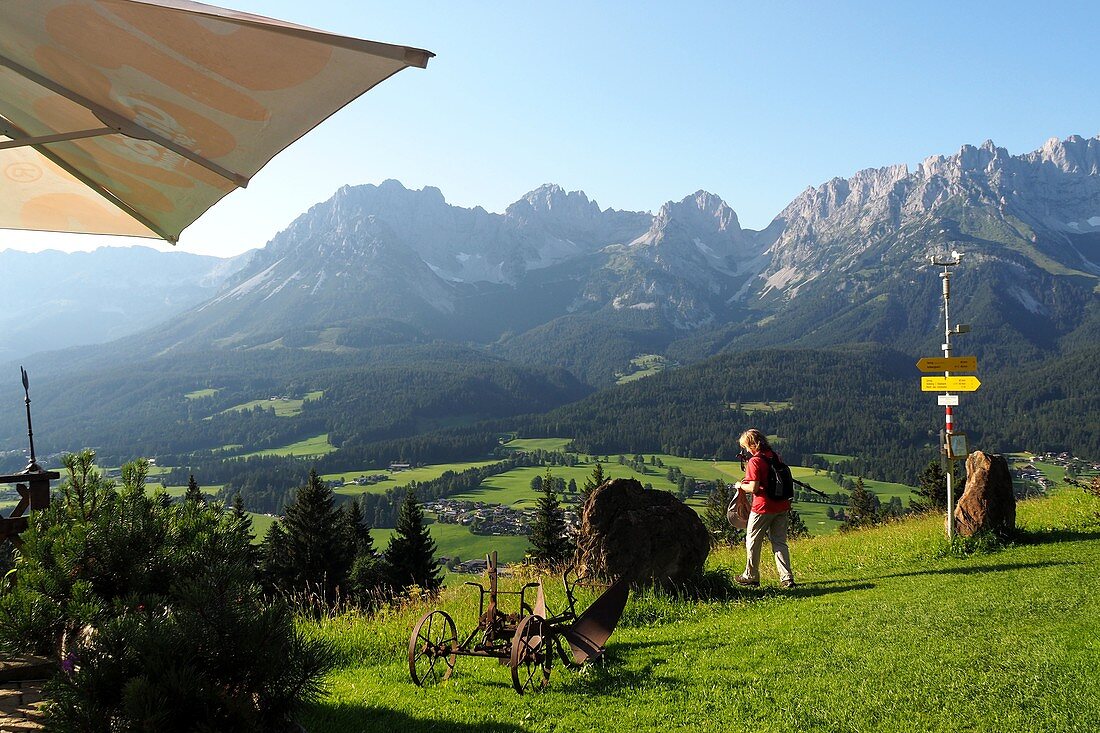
[(949, 423)]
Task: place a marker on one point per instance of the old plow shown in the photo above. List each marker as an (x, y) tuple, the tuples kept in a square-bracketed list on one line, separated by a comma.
[(526, 640)]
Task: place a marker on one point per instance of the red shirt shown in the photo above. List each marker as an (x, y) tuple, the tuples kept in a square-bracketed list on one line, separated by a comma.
[(757, 470)]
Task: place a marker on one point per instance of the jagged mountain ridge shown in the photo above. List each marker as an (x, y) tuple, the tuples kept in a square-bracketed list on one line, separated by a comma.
[(555, 275)]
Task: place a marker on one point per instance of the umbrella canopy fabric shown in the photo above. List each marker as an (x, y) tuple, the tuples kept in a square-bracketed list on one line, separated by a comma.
[(134, 117)]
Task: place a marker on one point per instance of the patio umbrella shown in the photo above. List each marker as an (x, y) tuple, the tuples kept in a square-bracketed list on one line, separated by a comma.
[(134, 117)]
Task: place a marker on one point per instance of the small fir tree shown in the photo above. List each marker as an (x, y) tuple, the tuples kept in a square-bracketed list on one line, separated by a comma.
[(593, 480), (863, 508), (931, 488), (313, 553), (549, 543), (796, 527), (410, 555), (193, 493), (715, 519)]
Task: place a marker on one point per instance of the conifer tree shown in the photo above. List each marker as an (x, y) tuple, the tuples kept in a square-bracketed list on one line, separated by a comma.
[(549, 543), (592, 481), (863, 508), (796, 527), (410, 555), (368, 572), (931, 490), (193, 493), (715, 519), (313, 552), (358, 533)]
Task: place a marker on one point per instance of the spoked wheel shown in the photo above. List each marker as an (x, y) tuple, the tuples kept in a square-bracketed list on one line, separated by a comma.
[(531, 654), (432, 648)]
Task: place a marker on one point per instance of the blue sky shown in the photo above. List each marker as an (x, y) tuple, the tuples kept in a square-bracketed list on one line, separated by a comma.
[(637, 103)]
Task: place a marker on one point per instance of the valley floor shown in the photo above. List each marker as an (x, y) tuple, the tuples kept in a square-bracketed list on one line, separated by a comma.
[(889, 630)]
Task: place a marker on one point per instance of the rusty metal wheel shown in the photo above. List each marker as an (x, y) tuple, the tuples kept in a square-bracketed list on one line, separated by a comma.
[(432, 648), (532, 652)]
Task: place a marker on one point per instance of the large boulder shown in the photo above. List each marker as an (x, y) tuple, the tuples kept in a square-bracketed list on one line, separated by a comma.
[(988, 503), (646, 535)]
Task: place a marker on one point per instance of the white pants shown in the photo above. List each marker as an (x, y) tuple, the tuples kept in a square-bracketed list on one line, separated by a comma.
[(775, 526)]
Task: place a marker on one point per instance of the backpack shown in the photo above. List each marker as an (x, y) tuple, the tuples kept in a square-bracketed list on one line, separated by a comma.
[(780, 480)]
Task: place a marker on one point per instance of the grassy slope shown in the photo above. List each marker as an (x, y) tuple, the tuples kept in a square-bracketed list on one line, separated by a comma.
[(318, 445), (886, 632)]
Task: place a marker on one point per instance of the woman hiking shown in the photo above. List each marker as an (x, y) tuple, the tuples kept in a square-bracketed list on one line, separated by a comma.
[(768, 516)]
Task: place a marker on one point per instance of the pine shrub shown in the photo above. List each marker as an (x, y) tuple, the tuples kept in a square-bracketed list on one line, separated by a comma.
[(155, 611)]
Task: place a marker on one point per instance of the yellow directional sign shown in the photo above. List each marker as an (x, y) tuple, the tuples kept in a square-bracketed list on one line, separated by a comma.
[(948, 364), (949, 384)]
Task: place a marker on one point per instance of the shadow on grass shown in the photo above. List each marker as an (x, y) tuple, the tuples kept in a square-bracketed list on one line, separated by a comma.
[(718, 585), (1048, 536), (979, 569), (610, 678), (342, 716)]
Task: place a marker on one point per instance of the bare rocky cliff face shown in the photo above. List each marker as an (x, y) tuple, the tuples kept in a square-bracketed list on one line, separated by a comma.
[(1040, 205)]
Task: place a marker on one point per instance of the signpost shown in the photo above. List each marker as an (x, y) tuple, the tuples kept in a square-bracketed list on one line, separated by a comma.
[(949, 384), (952, 364), (953, 444)]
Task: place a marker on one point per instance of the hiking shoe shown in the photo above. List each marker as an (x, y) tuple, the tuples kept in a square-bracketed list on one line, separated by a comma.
[(742, 580), (787, 583)]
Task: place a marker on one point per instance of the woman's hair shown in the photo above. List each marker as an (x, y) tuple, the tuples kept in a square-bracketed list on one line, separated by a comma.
[(754, 440)]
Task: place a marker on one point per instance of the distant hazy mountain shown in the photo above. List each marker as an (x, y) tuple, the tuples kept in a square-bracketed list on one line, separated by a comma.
[(58, 299)]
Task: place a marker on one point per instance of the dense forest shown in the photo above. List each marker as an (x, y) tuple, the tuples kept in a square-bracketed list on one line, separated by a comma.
[(394, 393)]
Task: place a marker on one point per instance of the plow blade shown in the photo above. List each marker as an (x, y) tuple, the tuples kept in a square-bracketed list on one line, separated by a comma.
[(592, 629)]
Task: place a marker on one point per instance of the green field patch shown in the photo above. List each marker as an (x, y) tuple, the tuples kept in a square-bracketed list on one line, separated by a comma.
[(771, 406), (514, 487), (199, 394), (283, 407), (643, 365), (318, 445), (530, 444), (400, 478), (261, 525), (834, 457), (177, 491), (457, 540)]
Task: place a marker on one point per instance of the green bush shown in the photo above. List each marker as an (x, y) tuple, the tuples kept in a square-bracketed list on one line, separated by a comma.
[(155, 613)]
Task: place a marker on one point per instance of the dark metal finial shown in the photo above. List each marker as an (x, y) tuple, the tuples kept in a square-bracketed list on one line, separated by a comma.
[(33, 465)]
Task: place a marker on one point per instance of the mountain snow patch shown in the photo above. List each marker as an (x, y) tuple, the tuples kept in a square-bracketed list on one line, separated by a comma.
[(643, 306)]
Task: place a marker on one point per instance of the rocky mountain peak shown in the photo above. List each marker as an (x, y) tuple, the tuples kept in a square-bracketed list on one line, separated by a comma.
[(1075, 154), (701, 210), (551, 201)]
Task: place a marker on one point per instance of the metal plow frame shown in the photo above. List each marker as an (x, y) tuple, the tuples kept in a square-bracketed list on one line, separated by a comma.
[(526, 641)]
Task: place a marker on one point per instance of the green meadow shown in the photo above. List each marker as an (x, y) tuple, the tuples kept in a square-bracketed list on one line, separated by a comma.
[(282, 407), (199, 394), (889, 629), (401, 478), (318, 445), (513, 489), (644, 365), (460, 541)]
